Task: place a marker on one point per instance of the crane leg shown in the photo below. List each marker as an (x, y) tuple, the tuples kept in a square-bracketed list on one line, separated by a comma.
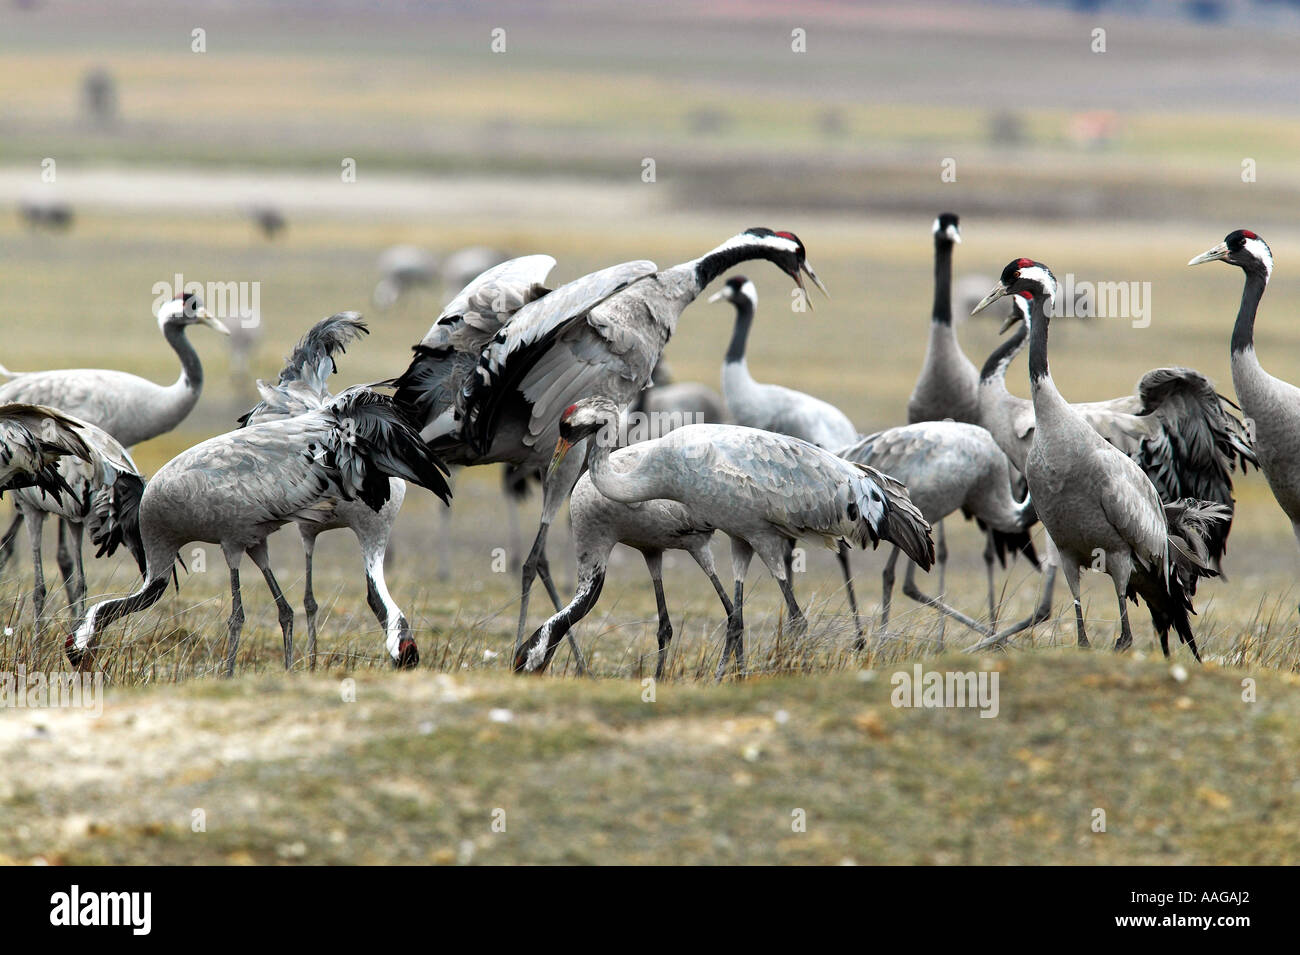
[(534, 655), (741, 555), (236, 622), (798, 622), (309, 605), (35, 521), (989, 557), (941, 558), (654, 562), (10, 538), (263, 561), (1120, 577), (515, 539), (74, 573), (843, 555), (913, 591), (555, 491), (887, 593), (1041, 612), (397, 632), (1071, 569), (704, 557)]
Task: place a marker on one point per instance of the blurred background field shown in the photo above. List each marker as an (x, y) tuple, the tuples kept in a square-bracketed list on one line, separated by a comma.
[(1114, 166)]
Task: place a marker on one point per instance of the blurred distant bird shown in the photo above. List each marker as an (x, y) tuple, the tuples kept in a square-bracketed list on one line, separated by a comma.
[(403, 268), (269, 220), (461, 267), (99, 95), (759, 488), (50, 214), (238, 488), (302, 388)]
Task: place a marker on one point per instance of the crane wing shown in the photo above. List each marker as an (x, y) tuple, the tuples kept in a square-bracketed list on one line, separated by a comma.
[(514, 360), (449, 352), (1132, 506)]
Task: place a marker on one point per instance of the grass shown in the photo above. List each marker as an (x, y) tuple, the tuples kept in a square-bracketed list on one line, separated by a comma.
[(420, 767), (586, 771)]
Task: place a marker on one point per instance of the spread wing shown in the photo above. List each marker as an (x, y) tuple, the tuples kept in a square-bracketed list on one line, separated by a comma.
[(548, 352), (449, 352)]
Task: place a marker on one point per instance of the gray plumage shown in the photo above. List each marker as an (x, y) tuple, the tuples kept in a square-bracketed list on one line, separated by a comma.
[(54, 463), (1175, 426), (946, 466), (130, 408), (601, 334), (948, 384), (668, 404), (402, 268), (237, 488), (761, 489), (650, 527), (773, 407), (303, 388), (1270, 405), (1095, 501)]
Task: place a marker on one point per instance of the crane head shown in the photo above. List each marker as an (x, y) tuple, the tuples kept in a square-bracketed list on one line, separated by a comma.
[(188, 309), (581, 420), (1243, 249), (1021, 275), (736, 289), (787, 252), (945, 229)]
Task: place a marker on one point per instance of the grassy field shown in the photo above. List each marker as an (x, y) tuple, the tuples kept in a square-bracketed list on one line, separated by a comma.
[(445, 769), (586, 771)]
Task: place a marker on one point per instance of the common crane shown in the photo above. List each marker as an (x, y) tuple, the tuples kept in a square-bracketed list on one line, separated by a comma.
[(302, 388), (759, 488), (1175, 426), (1096, 502), (238, 488), (601, 334)]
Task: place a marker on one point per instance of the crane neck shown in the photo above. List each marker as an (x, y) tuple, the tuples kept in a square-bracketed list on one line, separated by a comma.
[(191, 379), (1243, 332), (727, 256), (1002, 356), (1038, 320), (740, 333), (629, 486), (942, 311)]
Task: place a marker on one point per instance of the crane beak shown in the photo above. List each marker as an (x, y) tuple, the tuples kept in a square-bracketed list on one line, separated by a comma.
[(998, 291), (1218, 253), (210, 320), (812, 275), (718, 296), (561, 449), (952, 235), (1012, 321)]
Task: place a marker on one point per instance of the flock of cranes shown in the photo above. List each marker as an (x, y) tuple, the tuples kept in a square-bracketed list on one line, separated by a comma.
[(542, 380)]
